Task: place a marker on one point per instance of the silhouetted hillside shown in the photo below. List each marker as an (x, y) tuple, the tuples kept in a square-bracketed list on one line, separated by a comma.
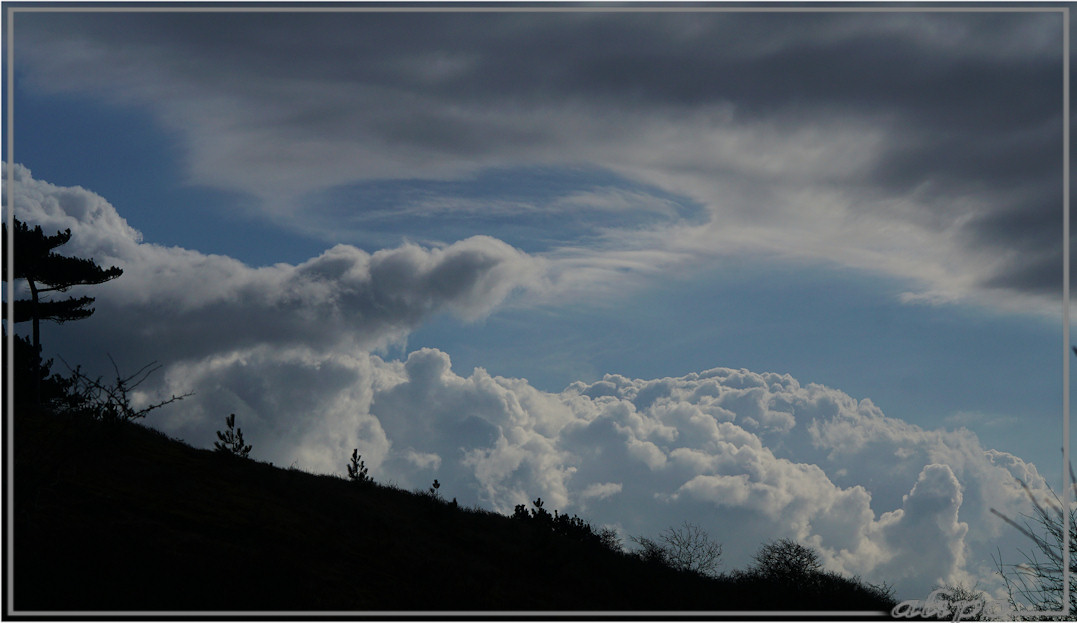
[(116, 516)]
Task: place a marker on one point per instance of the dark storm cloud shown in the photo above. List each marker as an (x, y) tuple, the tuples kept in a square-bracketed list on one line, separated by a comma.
[(1032, 271), (967, 105), (1029, 226), (759, 61)]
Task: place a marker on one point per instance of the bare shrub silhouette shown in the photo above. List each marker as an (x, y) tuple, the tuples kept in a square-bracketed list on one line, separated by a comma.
[(691, 548), (651, 551), (109, 402), (609, 539), (688, 548), (785, 559), (956, 602), (1037, 583)]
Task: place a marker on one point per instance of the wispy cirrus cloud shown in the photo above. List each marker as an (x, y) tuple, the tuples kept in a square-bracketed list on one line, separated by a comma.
[(922, 145)]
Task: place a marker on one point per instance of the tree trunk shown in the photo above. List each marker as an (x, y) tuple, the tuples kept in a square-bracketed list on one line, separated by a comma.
[(36, 389)]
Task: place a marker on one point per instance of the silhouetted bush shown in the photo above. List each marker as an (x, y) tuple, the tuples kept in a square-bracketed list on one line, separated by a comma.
[(572, 527), (30, 371), (882, 592), (794, 572), (690, 548), (609, 539), (102, 401), (958, 603), (810, 590), (785, 559), (686, 549), (651, 552)]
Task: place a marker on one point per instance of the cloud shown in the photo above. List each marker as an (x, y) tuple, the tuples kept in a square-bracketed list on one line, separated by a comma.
[(970, 418), (749, 456), (191, 304), (601, 490), (929, 519), (921, 145), (295, 406), (876, 496)]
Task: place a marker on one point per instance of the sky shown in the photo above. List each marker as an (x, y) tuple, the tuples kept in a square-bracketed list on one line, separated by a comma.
[(780, 274)]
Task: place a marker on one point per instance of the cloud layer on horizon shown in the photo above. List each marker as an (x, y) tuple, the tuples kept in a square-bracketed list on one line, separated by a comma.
[(750, 456), (921, 145)]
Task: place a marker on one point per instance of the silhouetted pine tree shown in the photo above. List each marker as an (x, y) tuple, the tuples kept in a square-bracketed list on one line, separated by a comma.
[(231, 441), (46, 271), (357, 471)]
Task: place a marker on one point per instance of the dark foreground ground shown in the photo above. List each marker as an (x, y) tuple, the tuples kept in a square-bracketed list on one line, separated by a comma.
[(113, 517)]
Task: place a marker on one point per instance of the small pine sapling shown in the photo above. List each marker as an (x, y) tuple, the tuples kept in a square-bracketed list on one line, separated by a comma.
[(357, 471), (541, 514), (232, 441)]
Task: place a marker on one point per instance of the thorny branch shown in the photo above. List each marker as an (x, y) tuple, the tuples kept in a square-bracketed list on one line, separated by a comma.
[(110, 402)]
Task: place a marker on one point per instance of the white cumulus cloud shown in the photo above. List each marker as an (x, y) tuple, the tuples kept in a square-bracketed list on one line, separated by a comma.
[(908, 506), (193, 304)]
